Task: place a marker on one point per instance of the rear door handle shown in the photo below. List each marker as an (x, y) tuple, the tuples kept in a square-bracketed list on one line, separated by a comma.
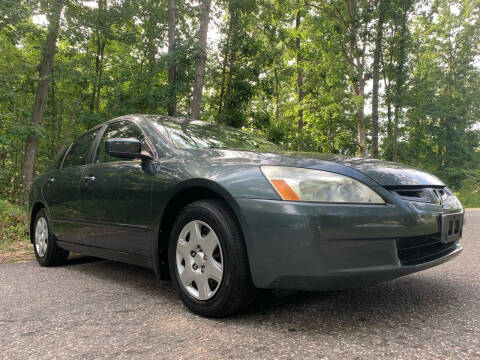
[(88, 179)]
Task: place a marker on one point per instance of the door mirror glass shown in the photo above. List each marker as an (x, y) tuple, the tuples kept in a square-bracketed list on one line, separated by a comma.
[(129, 148)]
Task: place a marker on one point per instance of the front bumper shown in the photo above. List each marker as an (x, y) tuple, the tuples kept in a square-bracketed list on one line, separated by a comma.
[(311, 246)]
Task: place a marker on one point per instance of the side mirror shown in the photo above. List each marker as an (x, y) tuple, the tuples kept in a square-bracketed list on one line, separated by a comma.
[(126, 149)]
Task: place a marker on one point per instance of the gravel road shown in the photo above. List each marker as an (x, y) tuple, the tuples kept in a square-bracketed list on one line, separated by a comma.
[(102, 309)]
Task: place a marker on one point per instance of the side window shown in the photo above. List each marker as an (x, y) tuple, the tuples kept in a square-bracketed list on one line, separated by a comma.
[(121, 129), (77, 155)]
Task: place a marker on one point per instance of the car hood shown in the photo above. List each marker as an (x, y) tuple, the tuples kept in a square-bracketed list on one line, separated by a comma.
[(389, 173), (383, 172)]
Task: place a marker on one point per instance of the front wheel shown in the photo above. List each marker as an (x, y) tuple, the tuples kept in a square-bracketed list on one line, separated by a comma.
[(207, 260), (46, 249)]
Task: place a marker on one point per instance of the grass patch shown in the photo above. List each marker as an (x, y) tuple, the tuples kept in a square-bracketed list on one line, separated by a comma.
[(14, 242)]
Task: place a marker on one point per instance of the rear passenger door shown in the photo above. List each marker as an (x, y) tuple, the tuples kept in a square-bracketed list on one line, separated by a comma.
[(115, 196), (60, 188)]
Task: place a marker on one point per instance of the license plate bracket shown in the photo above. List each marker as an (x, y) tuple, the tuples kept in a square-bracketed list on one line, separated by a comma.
[(452, 226)]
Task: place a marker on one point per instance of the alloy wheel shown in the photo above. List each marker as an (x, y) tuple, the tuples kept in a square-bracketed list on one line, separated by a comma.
[(41, 236)]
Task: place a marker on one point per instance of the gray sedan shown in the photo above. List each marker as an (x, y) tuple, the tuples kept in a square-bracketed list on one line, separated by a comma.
[(224, 213)]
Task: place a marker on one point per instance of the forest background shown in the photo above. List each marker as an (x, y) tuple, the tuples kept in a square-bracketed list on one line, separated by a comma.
[(390, 79)]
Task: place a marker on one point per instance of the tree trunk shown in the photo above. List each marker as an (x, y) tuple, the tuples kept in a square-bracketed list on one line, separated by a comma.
[(228, 88), (222, 83), (300, 123), (200, 60), (376, 76), (44, 71), (395, 134), (99, 76), (151, 33), (54, 115), (388, 101), (398, 98), (172, 69), (68, 130), (359, 90), (101, 42), (226, 61), (277, 97), (357, 73)]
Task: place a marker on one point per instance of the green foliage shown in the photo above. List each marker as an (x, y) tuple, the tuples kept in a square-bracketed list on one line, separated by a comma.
[(113, 60), (444, 94), (13, 224), (469, 191)]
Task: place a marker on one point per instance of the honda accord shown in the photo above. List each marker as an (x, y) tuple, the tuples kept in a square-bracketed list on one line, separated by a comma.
[(223, 213)]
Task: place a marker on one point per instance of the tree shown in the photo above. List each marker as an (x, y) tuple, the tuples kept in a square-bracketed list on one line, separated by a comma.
[(172, 69), (241, 63), (300, 95), (101, 41), (442, 94), (352, 19), (356, 56), (400, 74), (381, 9), (200, 60), (294, 71), (44, 71)]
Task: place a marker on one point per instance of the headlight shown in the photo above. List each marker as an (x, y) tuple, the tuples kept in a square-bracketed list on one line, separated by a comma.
[(299, 184)]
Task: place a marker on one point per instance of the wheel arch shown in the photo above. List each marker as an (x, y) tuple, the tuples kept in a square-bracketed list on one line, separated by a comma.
[(184, 194)]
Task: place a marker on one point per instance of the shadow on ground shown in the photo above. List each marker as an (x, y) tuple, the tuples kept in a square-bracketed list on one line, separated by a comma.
[(410, 301)]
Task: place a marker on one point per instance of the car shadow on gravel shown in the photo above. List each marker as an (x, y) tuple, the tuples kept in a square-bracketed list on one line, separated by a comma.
[(408, 301), (140, 278), (81, 259)]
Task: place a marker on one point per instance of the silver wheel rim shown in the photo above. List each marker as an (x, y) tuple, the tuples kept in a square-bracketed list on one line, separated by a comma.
[(199, 260), (41, 236)]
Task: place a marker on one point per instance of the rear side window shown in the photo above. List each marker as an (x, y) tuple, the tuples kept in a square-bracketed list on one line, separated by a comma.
[(77, 155), (120, 129)]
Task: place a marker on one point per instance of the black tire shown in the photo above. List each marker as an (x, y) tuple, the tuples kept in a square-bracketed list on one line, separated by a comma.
[(236, 290), (53, 255)]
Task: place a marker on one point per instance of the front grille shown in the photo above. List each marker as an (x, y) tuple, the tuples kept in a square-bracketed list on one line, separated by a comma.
[(428, 194), (416, 250)]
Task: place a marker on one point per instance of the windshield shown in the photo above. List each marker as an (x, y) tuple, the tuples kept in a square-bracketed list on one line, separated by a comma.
[(195, 134)]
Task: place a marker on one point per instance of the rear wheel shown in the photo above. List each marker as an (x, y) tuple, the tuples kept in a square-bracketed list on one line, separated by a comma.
[(208, 261), (46, 249)]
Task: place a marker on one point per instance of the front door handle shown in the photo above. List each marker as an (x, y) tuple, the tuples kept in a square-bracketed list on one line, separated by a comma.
[(88, 179)]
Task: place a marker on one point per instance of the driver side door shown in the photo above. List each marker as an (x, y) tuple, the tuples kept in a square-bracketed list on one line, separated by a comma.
[(115, 195)]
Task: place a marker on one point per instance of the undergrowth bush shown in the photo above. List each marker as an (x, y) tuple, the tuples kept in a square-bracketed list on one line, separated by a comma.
[(13, 224), (469, 192)]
